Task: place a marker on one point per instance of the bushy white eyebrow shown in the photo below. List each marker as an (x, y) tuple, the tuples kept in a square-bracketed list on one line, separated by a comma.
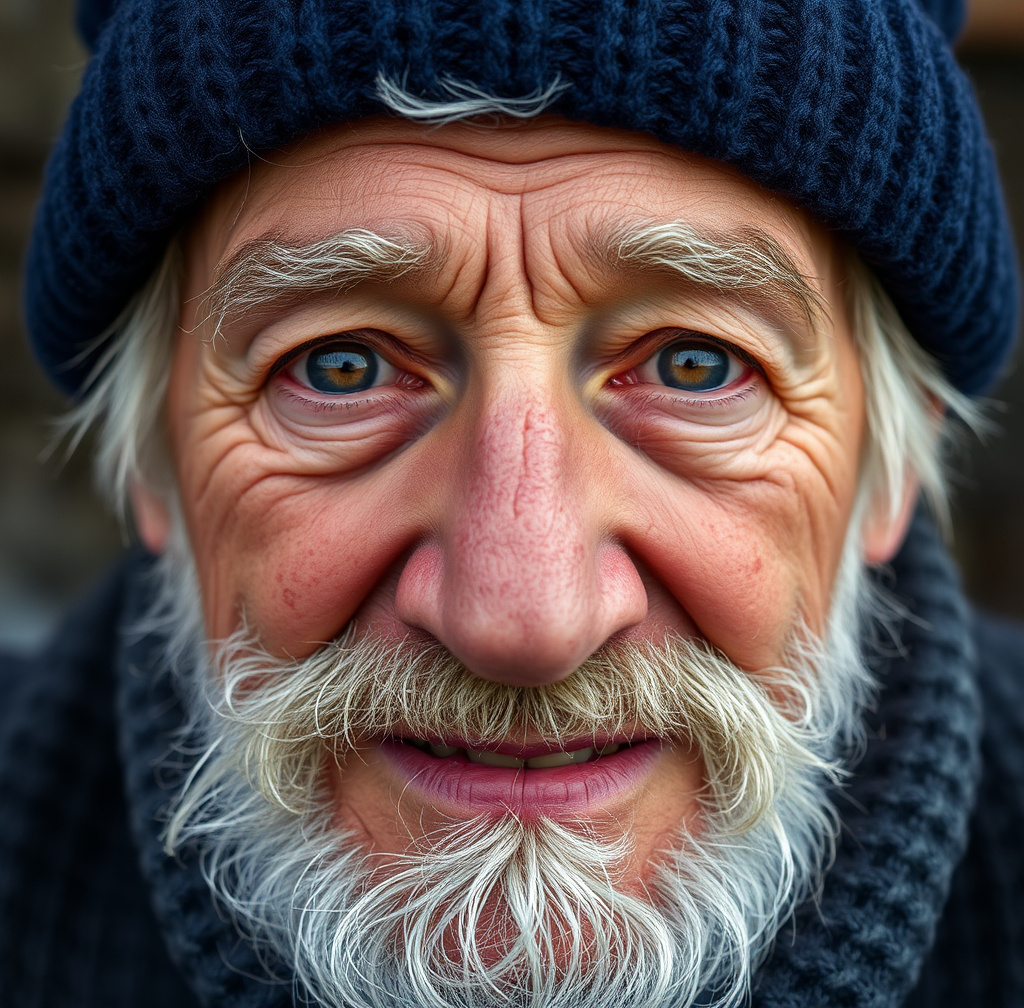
[(267, 270), (748, 259)]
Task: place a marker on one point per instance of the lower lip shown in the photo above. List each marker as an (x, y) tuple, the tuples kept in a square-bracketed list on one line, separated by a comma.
[(453, 784)]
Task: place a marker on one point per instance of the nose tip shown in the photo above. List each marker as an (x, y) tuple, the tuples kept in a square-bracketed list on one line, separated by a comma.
[(526, 630)]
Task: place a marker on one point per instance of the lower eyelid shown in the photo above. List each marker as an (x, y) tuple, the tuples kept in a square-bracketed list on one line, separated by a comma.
[(397, 398), (300, 402), (711, 401), (641, 397)]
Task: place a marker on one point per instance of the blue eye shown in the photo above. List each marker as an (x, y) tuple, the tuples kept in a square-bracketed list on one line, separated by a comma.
[(693, 368), (692, 365), (341, 368)]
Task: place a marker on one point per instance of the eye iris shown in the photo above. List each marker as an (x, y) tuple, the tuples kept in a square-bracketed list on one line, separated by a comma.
[(342, 369), (694, 369)]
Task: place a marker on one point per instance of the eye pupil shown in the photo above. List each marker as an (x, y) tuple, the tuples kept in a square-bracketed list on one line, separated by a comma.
[(342, 368), (693, 368)]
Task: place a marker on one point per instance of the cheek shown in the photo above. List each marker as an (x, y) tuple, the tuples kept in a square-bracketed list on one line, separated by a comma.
[(291, 540), (735, 582), (747, 535), (296, 555), (745, 560)]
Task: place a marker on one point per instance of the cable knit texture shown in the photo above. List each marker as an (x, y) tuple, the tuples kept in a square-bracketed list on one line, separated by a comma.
[(855, 109), (92, 915)]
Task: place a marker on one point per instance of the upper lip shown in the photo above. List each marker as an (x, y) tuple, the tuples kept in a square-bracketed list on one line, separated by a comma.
[(528, 749)]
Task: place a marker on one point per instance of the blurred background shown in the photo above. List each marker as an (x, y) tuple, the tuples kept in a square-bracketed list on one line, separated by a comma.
[(54, 534)]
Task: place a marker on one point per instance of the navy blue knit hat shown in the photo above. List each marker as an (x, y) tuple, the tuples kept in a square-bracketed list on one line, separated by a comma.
[(854, 109)]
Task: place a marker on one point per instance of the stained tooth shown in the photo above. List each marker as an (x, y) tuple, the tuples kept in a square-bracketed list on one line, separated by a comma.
[(557, 759), (607, 750), (493, 758), (441, 750)]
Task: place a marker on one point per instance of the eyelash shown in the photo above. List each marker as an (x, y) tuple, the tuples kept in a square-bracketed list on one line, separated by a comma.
[(706, 403), (352, 405)]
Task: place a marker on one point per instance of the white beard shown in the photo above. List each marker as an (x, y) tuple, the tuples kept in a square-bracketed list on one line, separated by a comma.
[(500, 912)]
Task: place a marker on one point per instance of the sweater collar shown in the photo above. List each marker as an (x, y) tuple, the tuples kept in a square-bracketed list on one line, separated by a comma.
[(905, 813), (905, 817)]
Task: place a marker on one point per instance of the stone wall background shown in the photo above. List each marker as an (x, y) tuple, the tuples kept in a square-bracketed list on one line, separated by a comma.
[(54, 534)]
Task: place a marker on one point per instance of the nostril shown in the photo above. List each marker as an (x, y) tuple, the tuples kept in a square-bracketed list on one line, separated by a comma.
[(420, 588)]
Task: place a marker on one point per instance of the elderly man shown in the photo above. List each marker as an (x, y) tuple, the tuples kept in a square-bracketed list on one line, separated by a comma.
[(514, 402)]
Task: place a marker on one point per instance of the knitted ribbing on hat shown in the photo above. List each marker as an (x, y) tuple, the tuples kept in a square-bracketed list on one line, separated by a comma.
[(854, 109)]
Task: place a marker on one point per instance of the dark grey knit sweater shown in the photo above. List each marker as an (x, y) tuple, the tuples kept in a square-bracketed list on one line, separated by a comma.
[(924, 906)]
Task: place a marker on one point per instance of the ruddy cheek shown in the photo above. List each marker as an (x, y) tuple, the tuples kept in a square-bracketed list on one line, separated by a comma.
[(728, 574), (310, 588), (296, 557)]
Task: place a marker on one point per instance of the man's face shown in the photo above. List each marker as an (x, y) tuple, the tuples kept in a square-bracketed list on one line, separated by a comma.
[(525, 443)]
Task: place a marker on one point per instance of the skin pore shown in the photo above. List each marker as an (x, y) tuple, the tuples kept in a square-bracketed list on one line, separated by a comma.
[(520, 481)]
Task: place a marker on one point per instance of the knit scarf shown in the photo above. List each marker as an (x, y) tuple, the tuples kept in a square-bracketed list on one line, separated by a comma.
[(905, 818)]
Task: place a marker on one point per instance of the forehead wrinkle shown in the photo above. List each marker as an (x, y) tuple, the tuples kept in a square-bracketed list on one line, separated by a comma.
[(520, 178), (560, 267), (554, 279), (458, 283), (524, 260), (527, 251)]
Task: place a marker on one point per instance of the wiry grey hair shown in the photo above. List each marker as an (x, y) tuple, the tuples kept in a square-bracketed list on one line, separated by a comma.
[(465, 102), (538, 910)]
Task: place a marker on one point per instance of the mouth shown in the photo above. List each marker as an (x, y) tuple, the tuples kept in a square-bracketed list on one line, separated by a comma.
[(538, 757), (567, 781)]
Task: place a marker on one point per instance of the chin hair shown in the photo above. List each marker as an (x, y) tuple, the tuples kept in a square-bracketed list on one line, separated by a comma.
[(502, 912)]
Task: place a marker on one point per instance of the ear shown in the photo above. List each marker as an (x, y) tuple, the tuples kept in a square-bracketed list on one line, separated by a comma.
[(152, 521), (882, 533)]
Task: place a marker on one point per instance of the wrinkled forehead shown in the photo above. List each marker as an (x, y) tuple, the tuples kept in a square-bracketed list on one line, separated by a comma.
[(445, 186)]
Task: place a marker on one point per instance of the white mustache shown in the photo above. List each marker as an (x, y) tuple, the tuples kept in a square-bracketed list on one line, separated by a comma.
[(290, 715)]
